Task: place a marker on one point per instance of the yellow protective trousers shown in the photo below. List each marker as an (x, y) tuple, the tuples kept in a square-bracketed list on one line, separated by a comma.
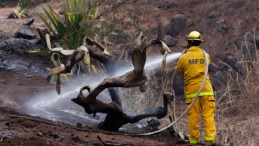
[(207, 106)]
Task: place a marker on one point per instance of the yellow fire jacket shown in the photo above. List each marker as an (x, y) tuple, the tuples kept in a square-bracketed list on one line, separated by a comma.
[(193, 65)]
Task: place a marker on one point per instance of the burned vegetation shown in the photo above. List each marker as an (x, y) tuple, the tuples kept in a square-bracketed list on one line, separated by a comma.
[(136, 78)]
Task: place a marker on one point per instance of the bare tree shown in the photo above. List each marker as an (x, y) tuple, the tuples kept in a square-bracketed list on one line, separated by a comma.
[(136, 78), (115, 116)]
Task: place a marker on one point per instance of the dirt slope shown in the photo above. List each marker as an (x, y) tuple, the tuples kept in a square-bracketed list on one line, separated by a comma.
[(223, 24), (20, 83)]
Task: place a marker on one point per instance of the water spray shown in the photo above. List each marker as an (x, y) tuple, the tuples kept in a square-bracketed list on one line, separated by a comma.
[(48, 104)]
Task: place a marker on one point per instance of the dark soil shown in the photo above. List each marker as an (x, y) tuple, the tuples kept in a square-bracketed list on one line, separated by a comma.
[(20, 129)]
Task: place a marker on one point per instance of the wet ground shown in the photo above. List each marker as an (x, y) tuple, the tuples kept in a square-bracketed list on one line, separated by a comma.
[(20, 129)]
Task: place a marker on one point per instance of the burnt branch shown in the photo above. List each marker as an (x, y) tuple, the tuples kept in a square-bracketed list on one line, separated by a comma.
[(115, 116), (93, 106), (137, 76)]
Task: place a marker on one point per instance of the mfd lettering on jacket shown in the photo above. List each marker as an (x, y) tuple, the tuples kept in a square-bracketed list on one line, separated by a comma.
[(196, 61)]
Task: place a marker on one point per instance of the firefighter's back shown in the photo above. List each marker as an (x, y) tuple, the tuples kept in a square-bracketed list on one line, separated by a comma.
[(194, 70)]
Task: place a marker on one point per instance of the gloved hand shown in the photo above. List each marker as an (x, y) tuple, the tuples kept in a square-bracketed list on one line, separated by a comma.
[(184, 51)]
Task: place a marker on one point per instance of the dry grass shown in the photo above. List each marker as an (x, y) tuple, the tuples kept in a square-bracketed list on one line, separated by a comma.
[(237, 102)]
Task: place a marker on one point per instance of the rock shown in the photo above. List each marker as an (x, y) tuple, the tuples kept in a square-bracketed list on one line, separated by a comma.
[(165, 5), (45, 133), (236, 25), (232, 61), (60, 139), (223, 66), (7, 124), (170, 41), (220, 77), (221, 26), (14, 58), (213, 67), (166, 26), (79, 125), (178, 84), (153, 124), (204, 25), (248, 50), (170, 27), (55, 135), (76, 139), (178, 23), (25, 33), (16, 65), (162, 5), (249, 37), (11, 16), (3, 81), (19, 46), (212, 15), (216, 84), (3, 35), (30, 22), (154, 26), (39, 134)]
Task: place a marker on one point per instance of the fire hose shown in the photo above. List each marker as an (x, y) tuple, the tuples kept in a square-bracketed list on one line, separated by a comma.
[(178, 119)]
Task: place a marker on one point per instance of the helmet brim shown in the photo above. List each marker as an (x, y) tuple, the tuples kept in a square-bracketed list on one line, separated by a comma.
[(195, 40)]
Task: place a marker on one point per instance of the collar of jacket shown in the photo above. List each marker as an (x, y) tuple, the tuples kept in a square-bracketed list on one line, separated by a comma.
[(194, 48)]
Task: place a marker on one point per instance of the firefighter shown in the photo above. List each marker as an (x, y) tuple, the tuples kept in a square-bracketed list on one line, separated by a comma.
[(193, 64)]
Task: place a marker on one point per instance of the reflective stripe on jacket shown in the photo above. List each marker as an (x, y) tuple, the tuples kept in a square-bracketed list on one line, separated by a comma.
[(193, 65)]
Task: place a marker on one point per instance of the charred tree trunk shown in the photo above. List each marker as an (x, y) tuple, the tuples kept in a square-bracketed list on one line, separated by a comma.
[(106, 60), (115, 116), (136, 78)]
